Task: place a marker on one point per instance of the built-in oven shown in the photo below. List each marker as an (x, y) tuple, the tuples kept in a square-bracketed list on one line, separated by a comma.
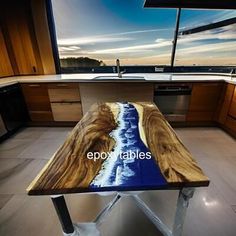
[(173, 100)]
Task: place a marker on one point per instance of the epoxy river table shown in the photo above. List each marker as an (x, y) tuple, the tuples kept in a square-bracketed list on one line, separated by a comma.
[(124, 148)]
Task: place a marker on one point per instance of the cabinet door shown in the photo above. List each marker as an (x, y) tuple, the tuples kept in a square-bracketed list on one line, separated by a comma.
[(230, 124), (5, 65), (224, 103), (22, 43), (232, 109), (37, 100), (204, 101)]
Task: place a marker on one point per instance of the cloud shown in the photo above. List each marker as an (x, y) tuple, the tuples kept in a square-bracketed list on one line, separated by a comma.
[(90, 40), (68, 48), (106, 38), (225, 33), (138, 48), (193, 49), (216, 47), (140, 31)]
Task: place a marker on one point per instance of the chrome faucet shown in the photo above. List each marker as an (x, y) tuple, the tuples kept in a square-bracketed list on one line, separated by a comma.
[(118, 68), (232, 73)]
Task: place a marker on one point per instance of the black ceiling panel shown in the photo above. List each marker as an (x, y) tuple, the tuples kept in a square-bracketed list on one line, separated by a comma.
[(194, 4)]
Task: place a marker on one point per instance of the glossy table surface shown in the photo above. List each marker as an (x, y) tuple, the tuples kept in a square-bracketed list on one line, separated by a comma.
[(119, 147)]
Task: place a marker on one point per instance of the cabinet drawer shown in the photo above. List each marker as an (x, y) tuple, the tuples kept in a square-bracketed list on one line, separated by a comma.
[(36, 97), (66, 111), (64, 95), (63, 85)]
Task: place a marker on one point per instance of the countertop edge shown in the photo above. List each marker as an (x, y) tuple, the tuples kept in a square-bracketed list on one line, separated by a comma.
[(89, 78)]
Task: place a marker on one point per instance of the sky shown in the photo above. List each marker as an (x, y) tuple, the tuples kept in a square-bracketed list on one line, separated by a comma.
[(110, 29)]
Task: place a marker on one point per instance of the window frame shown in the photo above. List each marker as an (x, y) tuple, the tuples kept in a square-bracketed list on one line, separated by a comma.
[(132, 69)]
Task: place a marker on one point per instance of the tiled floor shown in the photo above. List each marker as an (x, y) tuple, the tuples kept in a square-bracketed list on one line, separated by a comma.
[(212, 210)]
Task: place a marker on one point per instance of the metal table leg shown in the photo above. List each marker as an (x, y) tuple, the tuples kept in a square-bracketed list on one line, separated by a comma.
[(80, 229), (104, 213), (63, 214), (182, 204), (90, 228)]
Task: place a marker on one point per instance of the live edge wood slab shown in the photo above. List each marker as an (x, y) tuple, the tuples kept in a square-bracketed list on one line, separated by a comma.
[(121, 146)]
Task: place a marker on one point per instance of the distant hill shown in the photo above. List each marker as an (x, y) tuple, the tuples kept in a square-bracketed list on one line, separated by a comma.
[(80, 62)]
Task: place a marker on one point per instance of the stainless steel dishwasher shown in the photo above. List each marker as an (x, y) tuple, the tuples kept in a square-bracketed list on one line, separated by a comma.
[(173, 100)]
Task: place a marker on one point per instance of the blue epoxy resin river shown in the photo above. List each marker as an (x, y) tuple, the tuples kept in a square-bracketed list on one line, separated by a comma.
[(130, 162)]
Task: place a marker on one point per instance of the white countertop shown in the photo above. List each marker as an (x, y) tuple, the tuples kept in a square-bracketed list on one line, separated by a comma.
[(148, 77)]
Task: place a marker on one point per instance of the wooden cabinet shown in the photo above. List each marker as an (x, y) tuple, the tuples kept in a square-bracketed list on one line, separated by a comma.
[(5, 65), (37, 100), (226, 115), (64, 92), (224, 103), (65, 101), (20, 36), (66, 111), (230, 124), (232, 109), (53, 101), (204, 101)]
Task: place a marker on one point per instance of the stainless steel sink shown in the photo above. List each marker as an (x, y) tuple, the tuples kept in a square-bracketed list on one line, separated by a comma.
[(124, 77)]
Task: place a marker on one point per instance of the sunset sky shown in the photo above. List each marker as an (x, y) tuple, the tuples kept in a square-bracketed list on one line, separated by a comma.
[(110, 29)]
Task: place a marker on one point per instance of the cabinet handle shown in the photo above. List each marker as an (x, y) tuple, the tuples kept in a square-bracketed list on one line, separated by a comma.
[(34, 85), (62, 85), (209, 85)]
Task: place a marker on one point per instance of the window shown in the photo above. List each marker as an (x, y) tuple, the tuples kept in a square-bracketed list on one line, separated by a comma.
[(92, 34), (202, 47)]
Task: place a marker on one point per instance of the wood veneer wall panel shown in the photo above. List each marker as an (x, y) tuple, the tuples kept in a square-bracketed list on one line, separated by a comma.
[(20, 37), (43, 36), (5, 64)]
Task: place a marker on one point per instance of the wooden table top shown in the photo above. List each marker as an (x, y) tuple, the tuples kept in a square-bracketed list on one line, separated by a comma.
[(119, 147)]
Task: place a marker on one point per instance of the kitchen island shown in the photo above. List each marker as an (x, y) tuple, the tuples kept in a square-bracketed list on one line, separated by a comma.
[(125, 148)]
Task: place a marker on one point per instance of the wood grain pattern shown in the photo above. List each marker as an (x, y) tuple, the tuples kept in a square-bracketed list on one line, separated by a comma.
[(5, 65), (64, 95), (204, 101), (174, 160), (20, 37), (225, 103), (70, 170), (66, 111), (42, 34), (37, 101), (232, 109)]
